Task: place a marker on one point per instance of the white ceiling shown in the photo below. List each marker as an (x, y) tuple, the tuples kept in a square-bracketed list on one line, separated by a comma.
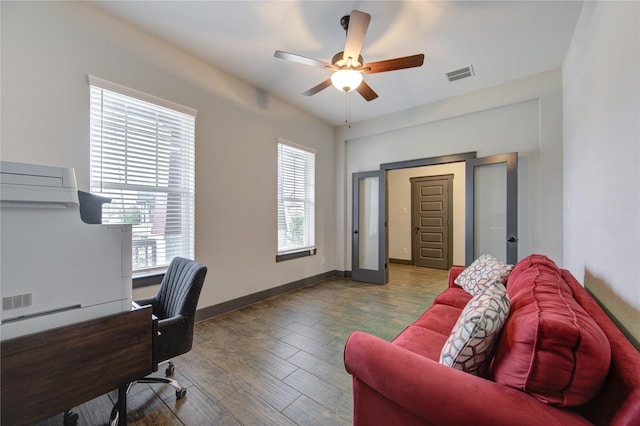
[(503, 40)]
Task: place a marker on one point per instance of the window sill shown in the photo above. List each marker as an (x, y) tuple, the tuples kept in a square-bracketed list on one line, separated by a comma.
[(146, 279), (296, 255)]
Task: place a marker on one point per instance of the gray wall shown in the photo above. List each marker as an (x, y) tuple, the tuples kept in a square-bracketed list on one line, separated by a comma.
[(523, 115), (48, 48), (601, 79)]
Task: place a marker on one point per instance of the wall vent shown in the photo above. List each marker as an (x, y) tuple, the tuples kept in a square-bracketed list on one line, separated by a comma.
[(18, 301), (460, 73)]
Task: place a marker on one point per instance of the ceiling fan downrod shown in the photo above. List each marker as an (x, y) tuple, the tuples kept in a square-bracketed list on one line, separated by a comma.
[(344, 22)]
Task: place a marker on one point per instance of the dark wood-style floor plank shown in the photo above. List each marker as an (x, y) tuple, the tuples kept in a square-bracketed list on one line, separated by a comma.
[(199, 409), (322, 392), (322, 369), (251, 410), (305, 411), (278, 362)]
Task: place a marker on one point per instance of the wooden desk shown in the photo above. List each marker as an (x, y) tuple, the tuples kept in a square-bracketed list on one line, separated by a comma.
[(48, 372)]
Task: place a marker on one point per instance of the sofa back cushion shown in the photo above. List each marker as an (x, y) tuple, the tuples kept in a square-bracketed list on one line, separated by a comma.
[(549, 347)]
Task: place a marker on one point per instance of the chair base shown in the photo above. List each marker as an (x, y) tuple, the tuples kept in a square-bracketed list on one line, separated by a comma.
[(69, 418), (180, 391)]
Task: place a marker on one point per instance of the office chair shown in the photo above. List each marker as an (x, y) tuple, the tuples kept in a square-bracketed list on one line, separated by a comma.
[(175, 306)]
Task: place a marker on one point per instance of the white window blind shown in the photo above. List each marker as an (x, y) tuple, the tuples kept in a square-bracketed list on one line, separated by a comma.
[(142, 157), (296, 198)]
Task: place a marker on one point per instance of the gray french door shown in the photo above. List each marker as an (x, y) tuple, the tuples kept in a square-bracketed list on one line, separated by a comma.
[(369, 227), (491, 207)]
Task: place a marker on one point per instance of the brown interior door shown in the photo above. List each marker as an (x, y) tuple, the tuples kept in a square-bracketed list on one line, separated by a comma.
[(432, 209)]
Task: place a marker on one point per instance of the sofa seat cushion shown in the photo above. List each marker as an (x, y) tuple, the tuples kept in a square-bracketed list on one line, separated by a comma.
[(421, 341), (429, 332), (453, 296), (439, 318), (470, 345), (550, 347)]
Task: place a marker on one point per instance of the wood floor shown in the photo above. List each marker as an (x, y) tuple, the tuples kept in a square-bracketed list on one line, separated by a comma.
[(278, 362)]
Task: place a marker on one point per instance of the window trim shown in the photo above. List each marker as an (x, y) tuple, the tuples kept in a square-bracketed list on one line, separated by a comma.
[(302, 251), (127, 91), (140, 280), (296, 254), (148, 274)]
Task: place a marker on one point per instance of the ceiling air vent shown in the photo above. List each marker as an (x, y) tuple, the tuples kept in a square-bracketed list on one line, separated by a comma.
[(460, 73)]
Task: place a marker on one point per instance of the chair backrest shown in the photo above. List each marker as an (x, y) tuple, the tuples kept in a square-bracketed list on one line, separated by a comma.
[(180, 289)]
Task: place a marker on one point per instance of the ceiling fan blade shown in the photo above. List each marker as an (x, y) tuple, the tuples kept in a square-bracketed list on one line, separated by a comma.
[(357, 30), (319, 87), (394, 64), (302, 59), (366, 91)]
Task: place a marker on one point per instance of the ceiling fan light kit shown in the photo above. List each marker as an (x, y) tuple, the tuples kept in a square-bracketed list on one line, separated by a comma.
[(348, 67), (346, 80)]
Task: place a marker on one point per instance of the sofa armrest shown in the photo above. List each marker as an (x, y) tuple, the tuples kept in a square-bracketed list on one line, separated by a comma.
[(453, 274), (440, 394)]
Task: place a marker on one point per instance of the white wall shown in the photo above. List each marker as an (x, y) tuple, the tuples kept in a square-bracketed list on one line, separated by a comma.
[(48, 48), (601, 79), (399, 214), (524, 116)]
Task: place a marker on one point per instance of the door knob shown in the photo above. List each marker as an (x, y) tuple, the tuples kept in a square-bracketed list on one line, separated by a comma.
[(512, 239)]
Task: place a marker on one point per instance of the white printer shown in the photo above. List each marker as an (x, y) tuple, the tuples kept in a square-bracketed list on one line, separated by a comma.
[(56, 269)]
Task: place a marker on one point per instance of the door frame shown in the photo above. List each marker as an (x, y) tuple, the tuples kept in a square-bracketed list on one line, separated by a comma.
[(381, 276), (466, 157)]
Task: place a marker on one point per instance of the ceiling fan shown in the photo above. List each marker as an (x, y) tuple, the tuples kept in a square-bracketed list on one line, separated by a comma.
[(348, 67)]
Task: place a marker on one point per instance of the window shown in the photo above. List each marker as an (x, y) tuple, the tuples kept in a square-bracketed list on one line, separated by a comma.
[(142, 157), (296, 199)]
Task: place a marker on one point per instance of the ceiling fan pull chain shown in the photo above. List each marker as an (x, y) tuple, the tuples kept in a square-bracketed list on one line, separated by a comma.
[(346, 107), (347, 112)]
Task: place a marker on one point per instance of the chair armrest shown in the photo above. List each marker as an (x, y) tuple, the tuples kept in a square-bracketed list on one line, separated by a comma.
[(147, 301), (176, 336), (441, 394), (453, 274), (179, 321)]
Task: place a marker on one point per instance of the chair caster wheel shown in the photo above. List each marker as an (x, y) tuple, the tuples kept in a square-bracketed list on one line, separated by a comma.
[(70, 418), (114, 418), (169, 370), (181, 393)]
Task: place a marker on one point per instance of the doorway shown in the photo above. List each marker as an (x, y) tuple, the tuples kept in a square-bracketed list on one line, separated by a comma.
[(475, 215), (432, 221), (361, 268)]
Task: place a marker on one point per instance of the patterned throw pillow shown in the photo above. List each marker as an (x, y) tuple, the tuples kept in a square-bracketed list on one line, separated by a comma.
[(484, 270), (472, 340)]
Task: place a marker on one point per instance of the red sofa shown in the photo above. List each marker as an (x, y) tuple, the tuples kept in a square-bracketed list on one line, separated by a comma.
[(552, 363)]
